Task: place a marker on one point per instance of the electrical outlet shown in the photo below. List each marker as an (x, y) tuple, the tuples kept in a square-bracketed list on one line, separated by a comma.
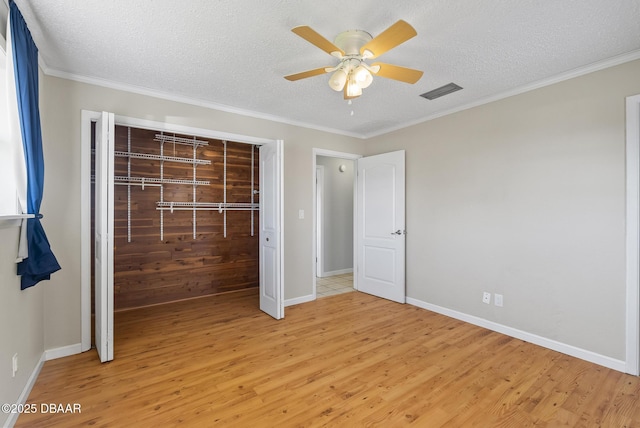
[(497, 299), (486, 297), (301, 214), (14, 364)]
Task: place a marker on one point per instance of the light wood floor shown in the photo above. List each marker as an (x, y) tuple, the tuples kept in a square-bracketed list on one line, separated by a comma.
[(342, 361)]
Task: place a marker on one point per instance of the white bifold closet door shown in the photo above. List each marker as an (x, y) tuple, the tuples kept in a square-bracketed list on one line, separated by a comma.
[(103, 270), (271, 284)]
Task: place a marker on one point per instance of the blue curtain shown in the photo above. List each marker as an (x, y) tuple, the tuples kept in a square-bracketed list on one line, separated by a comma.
[(41, 262)]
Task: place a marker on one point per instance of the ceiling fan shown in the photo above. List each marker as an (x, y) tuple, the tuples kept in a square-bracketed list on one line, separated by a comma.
[(353, 47)]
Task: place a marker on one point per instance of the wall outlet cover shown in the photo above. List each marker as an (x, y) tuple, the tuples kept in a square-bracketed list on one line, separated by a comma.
[(486, 297)]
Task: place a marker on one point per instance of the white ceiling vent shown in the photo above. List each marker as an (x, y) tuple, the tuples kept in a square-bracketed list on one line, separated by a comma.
[(441, 91)]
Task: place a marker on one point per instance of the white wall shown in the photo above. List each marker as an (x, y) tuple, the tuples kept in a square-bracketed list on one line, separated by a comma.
[(337, 214), (62, 102), (525, 197)]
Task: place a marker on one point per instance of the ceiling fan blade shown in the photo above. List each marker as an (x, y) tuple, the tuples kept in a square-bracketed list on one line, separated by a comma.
[(308, 73), (395, 72), (313, 37), (398, 33)]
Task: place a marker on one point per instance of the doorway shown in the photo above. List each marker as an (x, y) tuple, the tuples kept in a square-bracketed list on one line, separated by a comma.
[(379, 232), (334, 221)]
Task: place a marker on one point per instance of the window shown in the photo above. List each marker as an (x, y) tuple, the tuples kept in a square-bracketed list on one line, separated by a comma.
[(10, 151)]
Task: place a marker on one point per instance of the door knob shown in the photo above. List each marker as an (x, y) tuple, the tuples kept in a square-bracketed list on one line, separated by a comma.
[(399, 232)]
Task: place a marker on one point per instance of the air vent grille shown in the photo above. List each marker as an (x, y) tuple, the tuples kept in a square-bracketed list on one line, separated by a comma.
[(441, 91)]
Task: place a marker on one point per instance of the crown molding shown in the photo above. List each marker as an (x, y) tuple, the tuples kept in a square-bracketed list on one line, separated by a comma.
[(600, 65), (577, 72), (186, 100)]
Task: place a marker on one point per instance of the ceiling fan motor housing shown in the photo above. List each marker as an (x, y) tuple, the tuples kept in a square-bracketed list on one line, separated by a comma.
[(351, 41)]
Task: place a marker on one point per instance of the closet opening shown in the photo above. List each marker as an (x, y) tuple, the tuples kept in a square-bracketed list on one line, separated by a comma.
[(186, 217)]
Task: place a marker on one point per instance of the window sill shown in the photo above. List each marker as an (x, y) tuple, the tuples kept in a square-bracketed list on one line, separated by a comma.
[(13, 220)]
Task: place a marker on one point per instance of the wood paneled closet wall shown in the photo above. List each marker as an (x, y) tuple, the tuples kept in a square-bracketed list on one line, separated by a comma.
[(149, 270)]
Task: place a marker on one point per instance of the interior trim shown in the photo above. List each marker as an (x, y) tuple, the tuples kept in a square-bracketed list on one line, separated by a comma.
[(633, 236), (564, 348), (616, 60)]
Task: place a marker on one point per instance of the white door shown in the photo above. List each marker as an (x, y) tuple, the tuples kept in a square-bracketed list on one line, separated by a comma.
[(271, 285), (103, 268), (380, 226)]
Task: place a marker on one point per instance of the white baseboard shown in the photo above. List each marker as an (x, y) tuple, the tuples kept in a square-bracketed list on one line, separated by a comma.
[(298, 300), (64, 351), (22, 399), (49, 354), (337, 272), (573, 351)]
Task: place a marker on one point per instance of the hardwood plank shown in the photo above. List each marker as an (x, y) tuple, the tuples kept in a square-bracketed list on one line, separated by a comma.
[(346, 360)]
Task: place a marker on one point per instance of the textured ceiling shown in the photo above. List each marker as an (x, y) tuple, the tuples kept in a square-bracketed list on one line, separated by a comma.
[(233, 54)]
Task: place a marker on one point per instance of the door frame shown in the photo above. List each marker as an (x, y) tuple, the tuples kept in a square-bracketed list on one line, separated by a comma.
[(341, 155), (319, 219), (632, 335), (89, 116)]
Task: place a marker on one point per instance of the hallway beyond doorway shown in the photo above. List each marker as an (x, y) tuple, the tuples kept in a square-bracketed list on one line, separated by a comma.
[(336, 284)]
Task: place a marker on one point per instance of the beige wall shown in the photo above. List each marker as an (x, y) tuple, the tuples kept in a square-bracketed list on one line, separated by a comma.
[(525, 197), (21, 322), (337, 233), (62, 102)]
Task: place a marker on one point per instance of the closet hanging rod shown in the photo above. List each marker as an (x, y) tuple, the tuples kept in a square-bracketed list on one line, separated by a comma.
[(207, 204), (117, 183), (125, 181), (207, 209), (162, 158), (161, 138), (145, 180)]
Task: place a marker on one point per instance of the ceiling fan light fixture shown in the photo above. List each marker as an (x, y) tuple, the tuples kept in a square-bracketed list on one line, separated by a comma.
[(353, 88), (338, 80), (362, 76)]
